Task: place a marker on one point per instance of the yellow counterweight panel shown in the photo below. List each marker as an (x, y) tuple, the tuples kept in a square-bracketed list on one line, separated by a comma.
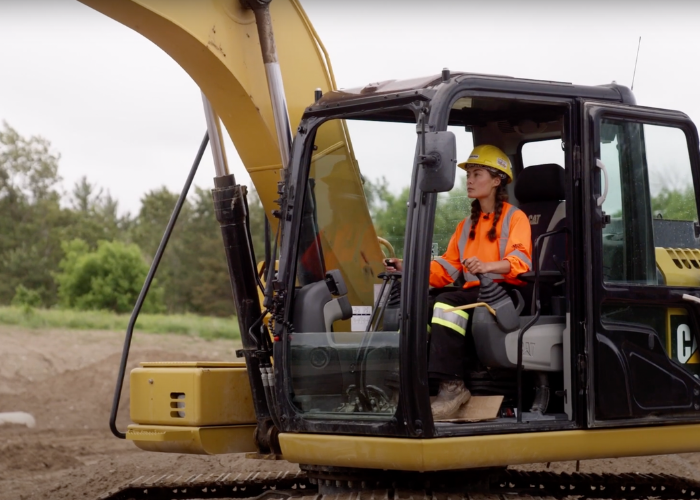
[(191, 394), (424, 455), (216, 43), (680, 266), (195, 440)]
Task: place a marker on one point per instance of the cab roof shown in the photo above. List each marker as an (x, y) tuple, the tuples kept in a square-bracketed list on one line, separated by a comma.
[(427, 86)]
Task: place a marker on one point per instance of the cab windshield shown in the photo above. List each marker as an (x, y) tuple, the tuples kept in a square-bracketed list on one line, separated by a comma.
[(345, 349)]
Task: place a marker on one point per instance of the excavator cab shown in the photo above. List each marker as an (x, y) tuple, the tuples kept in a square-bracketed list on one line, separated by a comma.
[(605, 328)]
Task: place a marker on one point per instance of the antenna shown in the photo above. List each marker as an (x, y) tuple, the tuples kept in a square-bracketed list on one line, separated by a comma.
[(635, 62)]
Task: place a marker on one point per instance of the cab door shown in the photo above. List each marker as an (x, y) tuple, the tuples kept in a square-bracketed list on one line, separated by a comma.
[(641, 185)]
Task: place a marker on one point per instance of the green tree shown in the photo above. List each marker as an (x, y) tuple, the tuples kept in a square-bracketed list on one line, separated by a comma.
[(452, 208), (257, 225), (389, 213), (207, 278), (193, 269), (675, 204), (93, 215), (31, 218), (26, 298), (109, 278), (176, 267)]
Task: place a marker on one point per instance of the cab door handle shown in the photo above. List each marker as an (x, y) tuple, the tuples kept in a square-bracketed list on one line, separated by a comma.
[(604, 195), (691, 298)]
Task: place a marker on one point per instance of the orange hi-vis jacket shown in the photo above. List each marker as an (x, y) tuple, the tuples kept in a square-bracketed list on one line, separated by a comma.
[(513, 243)]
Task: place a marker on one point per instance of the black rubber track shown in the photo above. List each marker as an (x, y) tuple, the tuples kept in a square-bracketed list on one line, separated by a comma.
[(492, 486)]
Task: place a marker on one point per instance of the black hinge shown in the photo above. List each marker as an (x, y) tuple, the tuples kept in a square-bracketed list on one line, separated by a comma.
[(577, 162), (582, 366), (605, 219)]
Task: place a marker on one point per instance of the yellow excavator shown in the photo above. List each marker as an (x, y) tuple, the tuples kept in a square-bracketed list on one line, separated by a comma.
[(597, 357)]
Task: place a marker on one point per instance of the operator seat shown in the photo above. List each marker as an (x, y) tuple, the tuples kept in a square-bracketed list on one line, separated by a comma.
[(540, 193)]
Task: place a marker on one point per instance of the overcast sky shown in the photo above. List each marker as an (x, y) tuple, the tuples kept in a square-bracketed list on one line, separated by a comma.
[(124, 114)]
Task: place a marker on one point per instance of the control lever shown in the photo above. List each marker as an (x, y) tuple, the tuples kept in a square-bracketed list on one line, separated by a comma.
[(360, 367), (498, 302), (507, 315)]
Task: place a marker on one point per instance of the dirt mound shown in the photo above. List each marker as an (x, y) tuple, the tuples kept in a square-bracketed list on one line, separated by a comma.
[(66, 381), (35, 457), (80, 398)]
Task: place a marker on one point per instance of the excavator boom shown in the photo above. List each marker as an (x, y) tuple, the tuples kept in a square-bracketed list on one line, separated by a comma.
[(216, 42)]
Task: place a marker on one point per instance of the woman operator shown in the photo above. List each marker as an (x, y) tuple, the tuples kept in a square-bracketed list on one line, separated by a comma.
[(494, 241)]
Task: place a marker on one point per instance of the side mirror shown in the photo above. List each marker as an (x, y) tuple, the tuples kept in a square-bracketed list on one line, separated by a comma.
[(438, 162)]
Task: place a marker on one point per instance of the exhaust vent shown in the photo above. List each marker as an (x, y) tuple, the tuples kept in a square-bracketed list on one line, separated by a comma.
[(685, 258), (178, 403)]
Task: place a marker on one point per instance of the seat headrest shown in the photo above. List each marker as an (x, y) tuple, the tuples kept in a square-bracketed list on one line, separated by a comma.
[(540, 183)]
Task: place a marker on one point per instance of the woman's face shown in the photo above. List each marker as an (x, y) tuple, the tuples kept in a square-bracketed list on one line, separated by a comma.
[(480, 184)]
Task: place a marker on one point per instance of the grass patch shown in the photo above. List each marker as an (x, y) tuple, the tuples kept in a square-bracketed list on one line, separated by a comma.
[(184, 324)]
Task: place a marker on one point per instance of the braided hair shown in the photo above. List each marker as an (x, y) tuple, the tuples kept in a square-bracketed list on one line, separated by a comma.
[(501, 197)]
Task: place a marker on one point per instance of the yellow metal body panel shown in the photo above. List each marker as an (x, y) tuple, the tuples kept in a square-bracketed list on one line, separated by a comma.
[(193, 364), (195, 440), (216, 43), (680, 266), (485, 451), (180, 394)]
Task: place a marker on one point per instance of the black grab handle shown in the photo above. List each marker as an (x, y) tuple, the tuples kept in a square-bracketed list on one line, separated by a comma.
[(147, 286)]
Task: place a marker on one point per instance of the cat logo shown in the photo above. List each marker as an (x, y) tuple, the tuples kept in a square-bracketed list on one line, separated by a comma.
[(686, 345), (529, 349), (534, 219)]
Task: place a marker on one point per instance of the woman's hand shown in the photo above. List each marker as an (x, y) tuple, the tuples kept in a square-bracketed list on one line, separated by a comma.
[(393, 264), (475, 266)]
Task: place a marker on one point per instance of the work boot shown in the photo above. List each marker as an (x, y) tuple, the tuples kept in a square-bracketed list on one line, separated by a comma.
[(451, 396)]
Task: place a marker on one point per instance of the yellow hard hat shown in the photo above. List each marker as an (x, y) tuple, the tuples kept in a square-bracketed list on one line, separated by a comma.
[(491, 157)]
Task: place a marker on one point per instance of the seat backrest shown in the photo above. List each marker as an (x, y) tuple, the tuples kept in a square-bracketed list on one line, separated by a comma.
[(540, 193)]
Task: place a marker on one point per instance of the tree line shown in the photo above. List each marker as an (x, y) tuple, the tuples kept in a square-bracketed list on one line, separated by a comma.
[(73, 249)]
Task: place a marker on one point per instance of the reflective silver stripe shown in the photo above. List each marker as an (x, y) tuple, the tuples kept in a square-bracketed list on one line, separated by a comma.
[(470, 277), (463, 237), (455, 320), (521, 256), (451, 270), (505, 231)]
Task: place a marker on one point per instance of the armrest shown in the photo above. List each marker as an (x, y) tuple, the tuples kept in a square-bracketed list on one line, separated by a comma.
[(549, 277)]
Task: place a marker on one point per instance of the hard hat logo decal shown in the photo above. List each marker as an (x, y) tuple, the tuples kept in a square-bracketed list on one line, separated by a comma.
[(502, 162), (476, 157)]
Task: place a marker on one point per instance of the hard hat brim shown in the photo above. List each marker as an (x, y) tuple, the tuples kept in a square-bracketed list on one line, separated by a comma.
[(465, 165)]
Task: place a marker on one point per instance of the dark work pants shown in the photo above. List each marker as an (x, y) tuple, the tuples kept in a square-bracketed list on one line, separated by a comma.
[(452, 354)]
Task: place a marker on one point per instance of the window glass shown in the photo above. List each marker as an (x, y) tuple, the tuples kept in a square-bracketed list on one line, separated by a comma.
[(650, 199), (455, 205), (674, 327), (345, 349), (540, 152)]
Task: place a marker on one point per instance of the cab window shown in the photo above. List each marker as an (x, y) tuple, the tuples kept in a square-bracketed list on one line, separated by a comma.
[(539, 152)]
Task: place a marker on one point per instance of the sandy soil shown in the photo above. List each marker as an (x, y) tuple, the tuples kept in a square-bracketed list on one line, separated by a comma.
[(65, 379)]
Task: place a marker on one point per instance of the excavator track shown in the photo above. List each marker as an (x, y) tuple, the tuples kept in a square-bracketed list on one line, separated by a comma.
[(490, 486)]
